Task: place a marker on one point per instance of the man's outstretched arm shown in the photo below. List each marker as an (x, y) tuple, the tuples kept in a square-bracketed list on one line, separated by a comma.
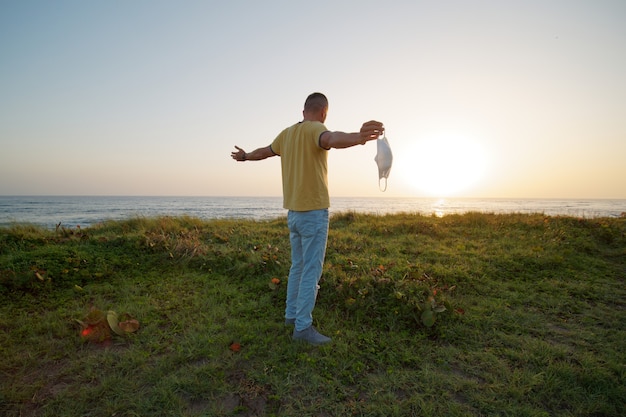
[(369, 131), (255, 155)]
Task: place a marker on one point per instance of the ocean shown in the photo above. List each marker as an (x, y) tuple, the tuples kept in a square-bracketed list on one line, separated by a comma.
[(84, 211)]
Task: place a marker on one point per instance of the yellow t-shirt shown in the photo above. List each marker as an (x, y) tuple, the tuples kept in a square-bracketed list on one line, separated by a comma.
[(304, 166)]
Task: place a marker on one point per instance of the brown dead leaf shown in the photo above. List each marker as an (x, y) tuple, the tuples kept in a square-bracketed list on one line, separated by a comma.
[(129, 326)]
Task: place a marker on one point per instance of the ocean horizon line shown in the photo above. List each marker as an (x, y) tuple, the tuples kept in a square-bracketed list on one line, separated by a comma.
[(51, 210), (280, 196)]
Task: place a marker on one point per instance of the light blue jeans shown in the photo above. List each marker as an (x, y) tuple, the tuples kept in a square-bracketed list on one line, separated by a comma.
[(308, 234)]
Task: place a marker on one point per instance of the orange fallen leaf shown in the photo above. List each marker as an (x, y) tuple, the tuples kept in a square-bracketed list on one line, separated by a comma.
[(86, 331), (275, 281), (235, 347)]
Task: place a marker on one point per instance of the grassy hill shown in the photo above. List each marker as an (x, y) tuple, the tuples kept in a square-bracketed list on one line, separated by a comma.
[(465, 315)]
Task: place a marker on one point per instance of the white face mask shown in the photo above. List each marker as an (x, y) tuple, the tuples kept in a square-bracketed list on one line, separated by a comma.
[(383, 159)]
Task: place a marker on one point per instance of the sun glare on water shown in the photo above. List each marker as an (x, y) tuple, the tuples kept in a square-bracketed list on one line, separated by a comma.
[(445, 166)]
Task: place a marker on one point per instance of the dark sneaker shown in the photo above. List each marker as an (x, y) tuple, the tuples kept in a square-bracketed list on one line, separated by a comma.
[(311, 335)]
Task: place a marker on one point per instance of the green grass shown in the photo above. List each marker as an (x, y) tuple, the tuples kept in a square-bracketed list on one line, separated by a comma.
[(528, 309)]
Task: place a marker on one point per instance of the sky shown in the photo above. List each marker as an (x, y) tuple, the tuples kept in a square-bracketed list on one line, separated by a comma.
[(482, 99)]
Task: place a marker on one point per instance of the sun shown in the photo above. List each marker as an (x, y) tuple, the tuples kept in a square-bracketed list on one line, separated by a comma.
[(445, 165)]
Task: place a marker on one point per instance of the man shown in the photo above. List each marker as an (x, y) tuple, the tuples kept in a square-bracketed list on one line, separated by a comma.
[(303, 149)]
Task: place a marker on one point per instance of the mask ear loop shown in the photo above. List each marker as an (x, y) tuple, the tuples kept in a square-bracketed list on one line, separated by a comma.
[(381, 188)]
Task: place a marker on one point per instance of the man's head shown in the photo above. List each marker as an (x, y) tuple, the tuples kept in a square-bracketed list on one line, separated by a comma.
[(315, 107)]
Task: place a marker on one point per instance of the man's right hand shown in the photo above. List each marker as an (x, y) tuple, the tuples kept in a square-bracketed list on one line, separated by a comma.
[(240, 155)]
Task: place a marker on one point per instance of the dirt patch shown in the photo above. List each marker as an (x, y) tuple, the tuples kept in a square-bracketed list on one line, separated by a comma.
[(198, 407), (248, 399), (45, 382)]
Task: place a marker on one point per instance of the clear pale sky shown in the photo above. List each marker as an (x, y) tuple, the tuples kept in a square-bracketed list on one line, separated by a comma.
[(512, 99)]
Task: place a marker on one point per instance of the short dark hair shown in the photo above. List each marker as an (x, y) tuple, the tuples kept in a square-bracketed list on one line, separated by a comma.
[(315, 102)]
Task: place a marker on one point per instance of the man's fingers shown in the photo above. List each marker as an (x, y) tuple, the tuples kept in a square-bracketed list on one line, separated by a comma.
[(235, 155), (373, 128), (374, 124)]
